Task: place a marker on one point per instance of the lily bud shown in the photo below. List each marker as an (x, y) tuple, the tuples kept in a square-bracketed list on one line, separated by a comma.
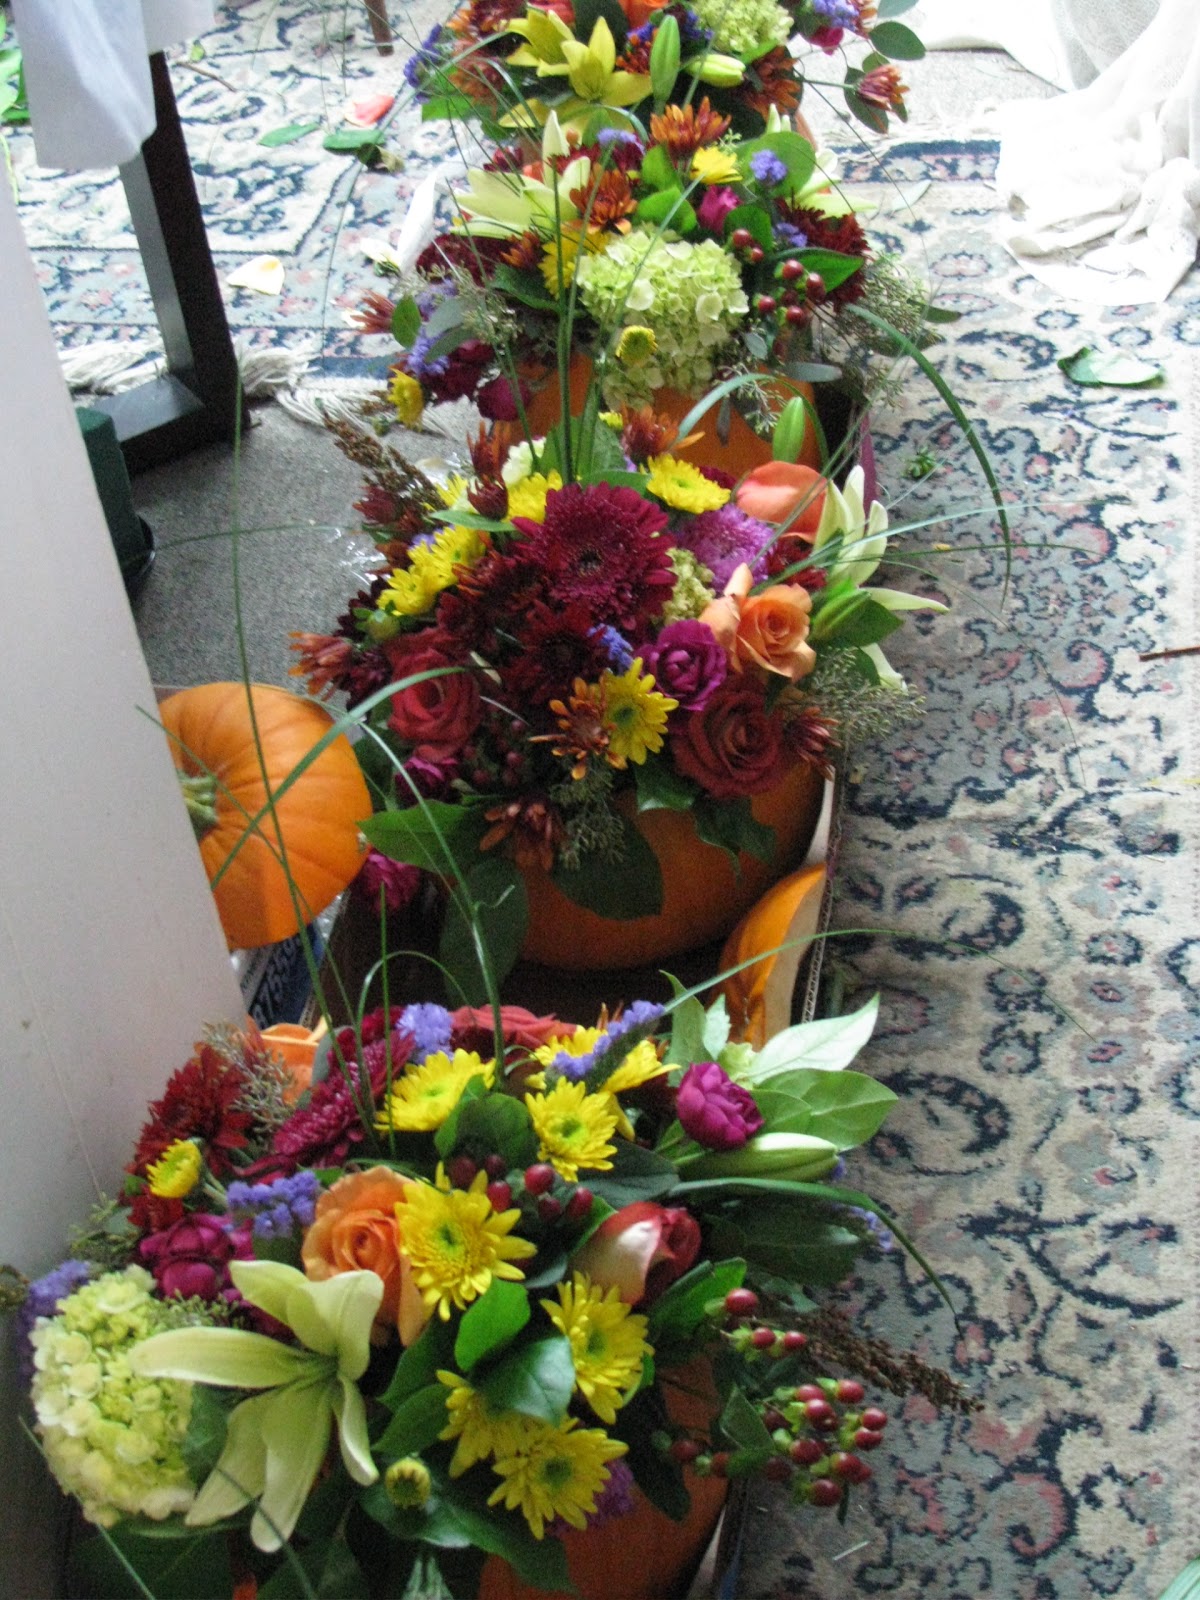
[(664, 59), (794, 1157), (721, 71)]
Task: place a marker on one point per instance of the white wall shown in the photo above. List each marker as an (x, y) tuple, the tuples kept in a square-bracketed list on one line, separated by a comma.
[(111, 956)]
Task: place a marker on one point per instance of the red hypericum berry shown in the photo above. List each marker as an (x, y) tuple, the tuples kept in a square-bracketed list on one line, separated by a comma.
[(741, 1302), (821, 1415), (791, 269), (579, 1206), (809, 1391), (805, 1451), (850, 1391), (684, 1450), (814, 286), (773, 1419), (755, 253), (867, 1439), (765, 304), (495, 1166), (789, 297), (843, 1465), (549, 1209), (741, 238), (875, 1419), (794, 1340), (719, 1465), (500, 1196), (798, 316), (763, 1338), (539, 1178), (824, 1492), (461, 1171), (777, 1469)]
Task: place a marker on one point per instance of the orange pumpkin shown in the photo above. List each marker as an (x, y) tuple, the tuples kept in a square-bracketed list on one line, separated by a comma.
[(743, 451), (703, 896), (781, 925), (315, 823)]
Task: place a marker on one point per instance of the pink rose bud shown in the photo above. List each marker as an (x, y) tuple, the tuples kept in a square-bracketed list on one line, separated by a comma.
[(640, 1250), (715, 1111)]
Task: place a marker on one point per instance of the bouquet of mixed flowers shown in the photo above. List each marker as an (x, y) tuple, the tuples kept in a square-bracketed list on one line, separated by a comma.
[(612, 62), (540, 660), (440, 1295)]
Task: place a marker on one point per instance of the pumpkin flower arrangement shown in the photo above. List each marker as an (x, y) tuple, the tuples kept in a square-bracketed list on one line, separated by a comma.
[(461, 1299)]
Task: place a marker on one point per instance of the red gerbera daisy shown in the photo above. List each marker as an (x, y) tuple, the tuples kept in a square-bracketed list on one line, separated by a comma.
[(556, 645)]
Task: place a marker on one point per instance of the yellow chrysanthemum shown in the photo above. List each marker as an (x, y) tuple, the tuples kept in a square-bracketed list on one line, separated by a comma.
[(177, 1171), (431, 568), (573, 1128), (684, 487), (452, 548), (565, 247), (613, 420), (608, 1342), (636, 345), (579, 1042), (457, 1244), (714, 165), (454, 491), (528, 498), (480, 1431), (639, 1066), (636, 714), (424, 1096), (555, 1472), (410, 590), (407, 396)]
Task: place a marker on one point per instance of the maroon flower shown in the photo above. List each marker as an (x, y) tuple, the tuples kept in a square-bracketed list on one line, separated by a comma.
[(191, 1258), (199, 1104), (718, 202), (464, 372), (497, 402), (556, 645), (397, 881), (843, 234), (456, 250), (687, 663), (439, 714), (715, 1111), (734, 746), (328, 1128)]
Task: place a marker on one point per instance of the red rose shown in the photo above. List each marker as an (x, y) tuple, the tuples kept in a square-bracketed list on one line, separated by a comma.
[(437, 715), (734, 746), (640, 1250)]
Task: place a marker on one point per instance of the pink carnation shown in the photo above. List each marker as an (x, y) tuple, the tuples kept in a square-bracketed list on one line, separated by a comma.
[(715, 1111)]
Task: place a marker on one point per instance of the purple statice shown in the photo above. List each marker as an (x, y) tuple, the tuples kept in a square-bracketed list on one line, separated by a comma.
[(723, 539), (789, 237), (767, 168), (427, 57), (431, 1027), (42, 1299), (640, 1016), (275, 1209), (616, 645), (836, 13), (692, 36), (882, 1234), (416, 361), (617, 136), (687, 662)]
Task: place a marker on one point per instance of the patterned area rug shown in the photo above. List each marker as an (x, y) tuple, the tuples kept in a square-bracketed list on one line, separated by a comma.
[(1035, 838)]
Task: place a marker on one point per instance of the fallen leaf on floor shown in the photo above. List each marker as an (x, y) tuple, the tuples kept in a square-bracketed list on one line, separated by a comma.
[(294, 130), (1111, 367), (365, 113), (262, 273)]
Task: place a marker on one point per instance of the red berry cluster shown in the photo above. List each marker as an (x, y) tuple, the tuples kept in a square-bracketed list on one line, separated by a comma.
[(798, 291), (572, 1204)]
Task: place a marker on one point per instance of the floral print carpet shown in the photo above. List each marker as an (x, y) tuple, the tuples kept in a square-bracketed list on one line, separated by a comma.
[(1033, 840)]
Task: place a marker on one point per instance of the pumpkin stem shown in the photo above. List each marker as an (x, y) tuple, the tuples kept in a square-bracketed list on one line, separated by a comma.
[(200, 796)]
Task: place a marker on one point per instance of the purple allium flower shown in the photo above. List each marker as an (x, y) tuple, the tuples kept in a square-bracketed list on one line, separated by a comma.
[(715, 1111), (789, 237), (42, 1299), (883, 1235), (620, 652), (723, 539), (767, 168), (396, 880), (687, 663), (276, 1209), (430, 1026), (718, 202)]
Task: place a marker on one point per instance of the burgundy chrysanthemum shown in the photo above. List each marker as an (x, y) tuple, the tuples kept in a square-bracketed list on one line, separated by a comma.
[(464, 372), (809, 739), (328, 1128), (556, 645), (599, 546), (198, 1104), (455, 250)]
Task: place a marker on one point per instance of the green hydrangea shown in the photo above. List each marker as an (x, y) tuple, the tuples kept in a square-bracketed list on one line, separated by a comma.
[(112, 1440), (693, 587), (690, 295), (746, 28)]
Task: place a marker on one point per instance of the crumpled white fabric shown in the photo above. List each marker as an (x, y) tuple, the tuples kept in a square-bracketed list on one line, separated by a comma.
[(1067, 42), (87, 73), (1118, 161)]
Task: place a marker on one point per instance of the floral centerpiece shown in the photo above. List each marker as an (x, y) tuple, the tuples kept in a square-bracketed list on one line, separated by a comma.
[(489, 1281)]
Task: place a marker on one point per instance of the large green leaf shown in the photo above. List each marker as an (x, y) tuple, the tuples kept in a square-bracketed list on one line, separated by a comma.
[(829, 1044), (497, 923), (418, 1366), (658, 1477), (622, 890), (493, 1321), (434, 835), (688, 1021), (661, 788), (742, 1425), (636, 1174), (730, 825), (847, 1108), (416, 1424), (678, 1312), (293, 130), (898, 43), (540, 1562), (406, 321), (537, 1380), (1115, 368), (776, 1235), (491, 1122)]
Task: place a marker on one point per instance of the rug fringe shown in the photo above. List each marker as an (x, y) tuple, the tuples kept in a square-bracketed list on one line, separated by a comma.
[(111, 366)]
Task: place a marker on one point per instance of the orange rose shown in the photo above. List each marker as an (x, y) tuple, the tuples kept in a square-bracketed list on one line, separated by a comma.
[(639, 12), (355, 1230), (768, 629), (784, 493)]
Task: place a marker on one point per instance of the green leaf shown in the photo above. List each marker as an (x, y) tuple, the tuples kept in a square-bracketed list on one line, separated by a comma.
[(448, 108), (742, 1425), (847, 1108), (830, 1044), (797, 155), (657, 170), (293, 130), (941, 314), (866, 622), (415, 1425), (623, 890), (188, 1567), (871, 116), (423, 834), (1186, 1586), (661, 788), (539, 1562), (527, 287), (687, 1029), (658, 1477), (636, 1174), (537, 1380), (730, 825), (493, 1321), (898, 43), (716, 1028), (589, 12), (498, 920), (406, 321), (205, 1437), (1111, 368), (770, 1233), (833, 266), (678, 1312), (352, 140), (667, 208), (755, 220), (418, 1366), (489, 1122)]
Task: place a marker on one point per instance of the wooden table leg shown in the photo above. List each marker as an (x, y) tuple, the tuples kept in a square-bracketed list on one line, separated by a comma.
[(380, 26)]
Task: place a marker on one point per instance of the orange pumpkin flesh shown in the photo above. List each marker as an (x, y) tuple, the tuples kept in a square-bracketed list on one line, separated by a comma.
[(759, 998), (210, 732)]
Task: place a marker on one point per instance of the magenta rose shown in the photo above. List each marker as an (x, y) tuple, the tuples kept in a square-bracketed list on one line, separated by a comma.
[(718, 202), (715, 1111), (734, 746), (192, 1256), (687, 663), (640, 1250), (437, 715)]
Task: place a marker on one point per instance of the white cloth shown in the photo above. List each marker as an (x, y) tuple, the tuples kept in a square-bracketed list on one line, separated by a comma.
[(87, 73), (1067, 42), (1120, 158)]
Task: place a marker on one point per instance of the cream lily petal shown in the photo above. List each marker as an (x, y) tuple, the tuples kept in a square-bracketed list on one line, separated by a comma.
[(495, 197), (240, 1474), (351, 1412), (899, 600), (266, 1284), (334, 1318), (229, 1358), (888, 676), (545, 34), (296, 1424), (554, 141)]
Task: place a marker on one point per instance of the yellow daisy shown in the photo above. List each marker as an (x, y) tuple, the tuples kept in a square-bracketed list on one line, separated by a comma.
[(528, 498), (177, 1171), (456, 1243), (555, 1472), (407, 396), (684, 487), (639, 1066), (580, 1042), (714, 165), (454, 491), (410, 590), (480, 1431), (453, 548), (607, 1341), (635, 712), (573, 1128), (566, 247), (424, 1096)]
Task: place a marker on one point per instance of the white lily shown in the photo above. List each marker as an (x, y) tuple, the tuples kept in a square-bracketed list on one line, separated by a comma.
[(863, 533), (504, 205), (276, 1441)]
